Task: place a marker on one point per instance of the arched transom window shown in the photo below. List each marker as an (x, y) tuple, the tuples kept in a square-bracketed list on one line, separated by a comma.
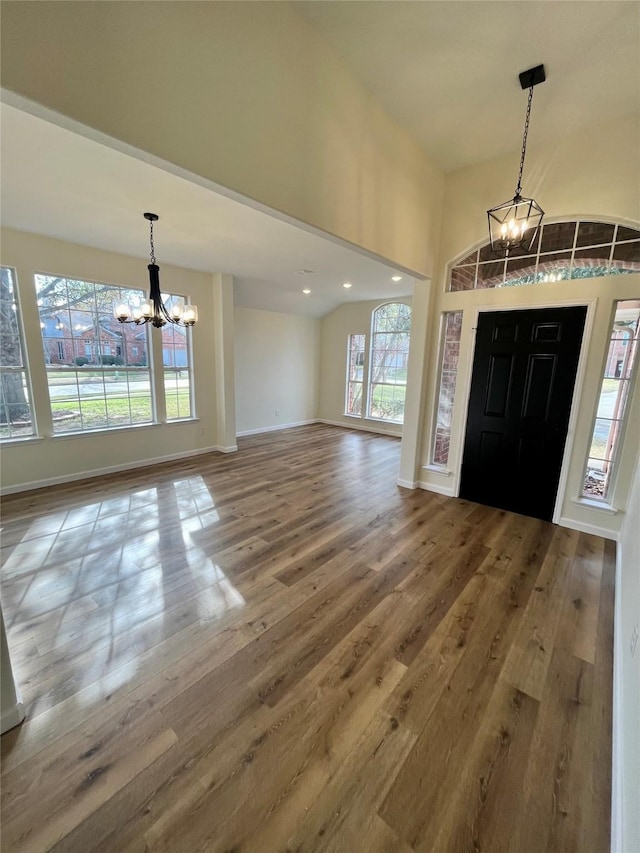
[(562, 251)]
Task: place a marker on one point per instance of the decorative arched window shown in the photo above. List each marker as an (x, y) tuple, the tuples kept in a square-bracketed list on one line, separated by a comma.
[(562, 251), (383, 396)]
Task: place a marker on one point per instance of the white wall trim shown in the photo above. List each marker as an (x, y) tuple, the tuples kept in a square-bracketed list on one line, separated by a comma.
[(112, 469), (407, 484), (275, 428), (447, 491), (585, 527), (359, 427), (617, 770), (12, 717)]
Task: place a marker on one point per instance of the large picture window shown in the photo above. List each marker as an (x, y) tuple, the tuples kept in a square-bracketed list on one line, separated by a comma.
[(612, 404), (390, 334), (97, 368), (16, 415)]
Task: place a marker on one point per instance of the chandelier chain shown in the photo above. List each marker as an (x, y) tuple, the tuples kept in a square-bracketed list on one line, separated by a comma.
[(152, 254), (524, 141)]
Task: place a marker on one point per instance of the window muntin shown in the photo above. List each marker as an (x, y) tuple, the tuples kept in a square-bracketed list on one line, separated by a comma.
[(449, 354), (16, 412), (176, 360), (565, 250), (612, 404), (97, 368), (355, 375), (388, 364)]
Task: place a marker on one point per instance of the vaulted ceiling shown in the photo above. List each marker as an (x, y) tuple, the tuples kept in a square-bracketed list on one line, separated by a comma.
[(447, 71)]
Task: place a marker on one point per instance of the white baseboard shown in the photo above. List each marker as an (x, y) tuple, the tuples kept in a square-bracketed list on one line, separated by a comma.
[(407, 484), (584, 527), (12, 717), (360, 427), (112, 469), (275, 428), (617, 771), (232, 448), (439, 489)]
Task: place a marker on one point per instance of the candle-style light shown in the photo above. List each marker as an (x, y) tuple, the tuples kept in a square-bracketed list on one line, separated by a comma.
[(153, 310)]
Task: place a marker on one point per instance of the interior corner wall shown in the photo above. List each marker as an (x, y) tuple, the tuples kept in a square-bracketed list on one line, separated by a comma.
[(247, 95), (593, 175), (30, 463), (276, 369), (351, 318)]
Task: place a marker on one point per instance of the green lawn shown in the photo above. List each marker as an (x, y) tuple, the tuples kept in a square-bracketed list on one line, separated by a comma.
[(96, 413)]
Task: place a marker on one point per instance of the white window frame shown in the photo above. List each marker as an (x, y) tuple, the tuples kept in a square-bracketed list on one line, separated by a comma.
[(371, 351), (125, 373), (22, 369)]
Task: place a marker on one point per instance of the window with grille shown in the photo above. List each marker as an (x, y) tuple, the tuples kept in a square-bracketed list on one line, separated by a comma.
[(390, 333), (562, 251), (90, 386), (176, 360), (612, 403), (449, 354), (16, 413), (355, 375)]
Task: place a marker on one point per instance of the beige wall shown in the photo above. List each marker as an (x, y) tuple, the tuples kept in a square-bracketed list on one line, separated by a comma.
[(595, 175), (47, 458), (244, 94), (277, 363), (627, 680), (350, 318)]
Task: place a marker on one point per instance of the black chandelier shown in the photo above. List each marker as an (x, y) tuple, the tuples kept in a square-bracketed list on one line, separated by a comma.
[(514, 224), (153, 310)]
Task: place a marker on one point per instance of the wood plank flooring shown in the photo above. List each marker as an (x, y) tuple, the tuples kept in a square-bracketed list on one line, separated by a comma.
[(282, 650)]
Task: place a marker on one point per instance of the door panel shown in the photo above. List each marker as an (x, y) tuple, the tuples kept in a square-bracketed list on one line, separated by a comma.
[(524, 371)]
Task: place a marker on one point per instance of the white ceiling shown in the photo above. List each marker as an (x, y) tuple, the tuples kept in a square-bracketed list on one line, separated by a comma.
[(446, 69), (62, 184)]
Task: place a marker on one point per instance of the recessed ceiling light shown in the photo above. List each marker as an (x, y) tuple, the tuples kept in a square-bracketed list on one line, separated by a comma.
[(396, 278), (306, 290), (347, 284), (305, 272)]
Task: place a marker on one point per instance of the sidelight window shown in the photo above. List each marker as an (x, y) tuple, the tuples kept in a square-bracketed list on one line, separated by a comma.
[(449, 354), (612, 404)]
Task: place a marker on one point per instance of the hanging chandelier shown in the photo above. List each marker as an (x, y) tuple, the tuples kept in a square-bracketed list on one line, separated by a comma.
[(153, 310), (514, 225)]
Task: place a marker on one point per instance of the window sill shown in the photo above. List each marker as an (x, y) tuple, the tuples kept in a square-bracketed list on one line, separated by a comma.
[(110, 430), (14, 442), (602, 506), (437, 469), (61, 436), (374, 420)]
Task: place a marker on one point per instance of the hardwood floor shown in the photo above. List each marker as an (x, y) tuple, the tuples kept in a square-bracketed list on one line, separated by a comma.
[(282, 650)]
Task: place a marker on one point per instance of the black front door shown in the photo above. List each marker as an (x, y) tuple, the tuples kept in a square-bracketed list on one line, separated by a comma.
[(524, 370)]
